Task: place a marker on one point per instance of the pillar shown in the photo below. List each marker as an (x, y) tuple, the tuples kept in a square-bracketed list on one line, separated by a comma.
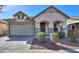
[(37, 27), (65, 29), (46, 28), (51, 27)]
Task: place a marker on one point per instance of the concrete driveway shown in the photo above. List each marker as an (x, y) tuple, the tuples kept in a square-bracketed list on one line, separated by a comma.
[(15, 44)]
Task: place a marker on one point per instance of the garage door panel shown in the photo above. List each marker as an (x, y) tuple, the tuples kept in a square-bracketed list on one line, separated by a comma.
[(22, 29)]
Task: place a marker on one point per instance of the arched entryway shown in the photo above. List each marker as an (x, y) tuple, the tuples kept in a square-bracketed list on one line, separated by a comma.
[(57, 26), (44, 27)]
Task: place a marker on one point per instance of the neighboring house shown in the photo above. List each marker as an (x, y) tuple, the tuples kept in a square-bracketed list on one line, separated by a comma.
[(49, 20), (3, 27), (73, 24)]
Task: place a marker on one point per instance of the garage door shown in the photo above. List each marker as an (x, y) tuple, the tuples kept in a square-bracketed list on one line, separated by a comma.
[(27, 29)]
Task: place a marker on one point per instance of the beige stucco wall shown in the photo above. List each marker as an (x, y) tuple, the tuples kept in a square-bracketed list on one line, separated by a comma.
[(51, 18)]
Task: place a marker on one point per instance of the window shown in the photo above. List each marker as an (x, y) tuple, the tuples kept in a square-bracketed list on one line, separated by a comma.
[(22, 16), (73, 27), (18, 17)]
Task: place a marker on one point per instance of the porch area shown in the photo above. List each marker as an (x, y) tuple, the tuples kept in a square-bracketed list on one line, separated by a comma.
[(48, 27)]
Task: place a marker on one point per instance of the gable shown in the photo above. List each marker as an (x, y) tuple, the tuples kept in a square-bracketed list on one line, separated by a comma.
[(20, 15), (52, 9)]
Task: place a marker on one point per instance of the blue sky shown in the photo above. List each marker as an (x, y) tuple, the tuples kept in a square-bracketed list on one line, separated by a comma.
[(32, 10)]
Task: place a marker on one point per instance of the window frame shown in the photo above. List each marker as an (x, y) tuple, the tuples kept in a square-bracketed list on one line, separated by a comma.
[(74, 27)]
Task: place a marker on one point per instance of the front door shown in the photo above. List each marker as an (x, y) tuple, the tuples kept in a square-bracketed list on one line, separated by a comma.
[(42, 26), (55, 28)]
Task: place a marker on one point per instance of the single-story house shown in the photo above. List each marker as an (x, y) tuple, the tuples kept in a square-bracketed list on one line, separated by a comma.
[(49, 20)]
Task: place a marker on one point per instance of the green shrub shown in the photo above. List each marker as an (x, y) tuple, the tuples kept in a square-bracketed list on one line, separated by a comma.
[(41, 37), (61, 34), (73, 35), (54, 37)]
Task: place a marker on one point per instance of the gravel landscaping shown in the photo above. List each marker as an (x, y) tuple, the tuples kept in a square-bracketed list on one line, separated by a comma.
[(62, 44), (47, 45)]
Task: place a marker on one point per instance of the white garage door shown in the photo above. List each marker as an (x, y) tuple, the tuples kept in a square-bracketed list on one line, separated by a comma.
[(27, 29)]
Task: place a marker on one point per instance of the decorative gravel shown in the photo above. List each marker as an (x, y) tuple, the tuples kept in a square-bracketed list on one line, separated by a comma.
[(62, 44)]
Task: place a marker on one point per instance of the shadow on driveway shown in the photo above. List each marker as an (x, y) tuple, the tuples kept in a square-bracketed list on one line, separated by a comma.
[(28, 39)]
